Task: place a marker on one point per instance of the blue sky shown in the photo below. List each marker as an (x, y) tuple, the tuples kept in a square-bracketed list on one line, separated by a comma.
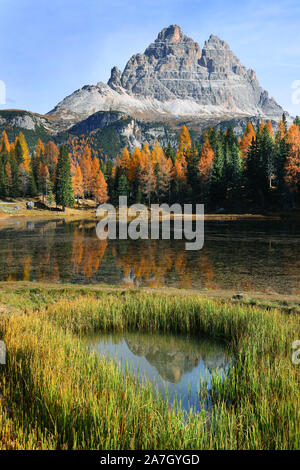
[(49, 48)]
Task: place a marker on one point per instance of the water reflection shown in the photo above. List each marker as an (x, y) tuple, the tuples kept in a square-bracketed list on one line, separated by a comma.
[(253, 255), (173, 363)]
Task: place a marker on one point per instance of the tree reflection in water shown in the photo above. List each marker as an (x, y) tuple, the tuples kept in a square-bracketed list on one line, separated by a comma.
[(258, 255)]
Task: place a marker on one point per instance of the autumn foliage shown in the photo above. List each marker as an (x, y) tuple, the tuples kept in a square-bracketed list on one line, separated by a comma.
[(221, 169)]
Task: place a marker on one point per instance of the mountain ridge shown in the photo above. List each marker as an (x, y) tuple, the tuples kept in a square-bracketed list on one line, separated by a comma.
[(172, 79)]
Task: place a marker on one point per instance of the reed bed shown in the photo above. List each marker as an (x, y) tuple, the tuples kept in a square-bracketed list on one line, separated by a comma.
[(57, 396)]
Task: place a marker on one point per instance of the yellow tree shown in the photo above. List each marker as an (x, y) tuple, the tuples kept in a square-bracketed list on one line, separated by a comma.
[(184, 141), (86, 169), (157, 153), (164, 174), (125, 161), (100, 191), (134, 165), (51, 157), (261, 127), (270, 128), (4, 144), (25, 151), (246, 141), (38, 157), (206, 162), (281, 130), (292, 167), (95, 167), (77, 181)]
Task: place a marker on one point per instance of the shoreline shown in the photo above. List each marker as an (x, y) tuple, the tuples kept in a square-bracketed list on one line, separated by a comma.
[(264, 299), (7, 212)]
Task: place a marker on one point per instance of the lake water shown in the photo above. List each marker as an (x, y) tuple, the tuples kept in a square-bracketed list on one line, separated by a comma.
[(173, 363), (242, 255)]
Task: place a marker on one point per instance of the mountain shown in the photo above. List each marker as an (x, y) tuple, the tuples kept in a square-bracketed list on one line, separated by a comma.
[(113, 130), (175, 80), (32, 125)]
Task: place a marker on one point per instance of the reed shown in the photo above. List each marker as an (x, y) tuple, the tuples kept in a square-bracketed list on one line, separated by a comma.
[(55, 395)]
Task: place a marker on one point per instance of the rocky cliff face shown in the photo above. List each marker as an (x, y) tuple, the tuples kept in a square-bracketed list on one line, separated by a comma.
[(174, 79)]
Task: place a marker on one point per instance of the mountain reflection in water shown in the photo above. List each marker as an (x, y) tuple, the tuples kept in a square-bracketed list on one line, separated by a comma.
[(174, 363), (261, 256)]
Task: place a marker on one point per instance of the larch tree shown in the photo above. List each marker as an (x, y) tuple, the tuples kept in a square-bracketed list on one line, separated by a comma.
[(163, 173), (125, 162), (147, 180), (86, 169), (4, 144), (95, 168), (246, 141), (100, 192), (51, 158), (78, 183), (184, 141), (206, 162), (292, 167), (270, 128), (25, 151)]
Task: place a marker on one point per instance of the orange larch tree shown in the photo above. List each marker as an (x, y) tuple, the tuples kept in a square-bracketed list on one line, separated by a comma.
[(4, 144), (100, 191), (246, 141), (51, 158), (77, 181), (206, 162), (292, 167), (86, 169)]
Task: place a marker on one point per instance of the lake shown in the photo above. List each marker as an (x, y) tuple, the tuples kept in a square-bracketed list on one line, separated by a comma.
[(246, 255), (173, 363)]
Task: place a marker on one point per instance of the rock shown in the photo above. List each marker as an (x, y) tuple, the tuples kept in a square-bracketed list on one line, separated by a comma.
[(238, 296), (175, 78), (29, 205)]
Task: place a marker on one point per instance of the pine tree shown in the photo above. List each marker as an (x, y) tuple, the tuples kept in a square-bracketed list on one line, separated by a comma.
[(123, 187), (169, 152), (63, 184), (235, 177), (3, 188), (192, 174), (218, 180)]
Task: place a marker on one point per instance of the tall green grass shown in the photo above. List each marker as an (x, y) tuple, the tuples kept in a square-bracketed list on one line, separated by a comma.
[(64, 398)]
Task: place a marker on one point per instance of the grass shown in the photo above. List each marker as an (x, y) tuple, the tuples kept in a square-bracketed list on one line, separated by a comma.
[(55, 396)]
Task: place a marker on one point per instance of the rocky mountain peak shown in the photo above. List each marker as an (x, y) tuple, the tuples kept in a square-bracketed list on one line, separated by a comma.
[(216, 43), (172, 33), (174, 77), (115, 78)]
